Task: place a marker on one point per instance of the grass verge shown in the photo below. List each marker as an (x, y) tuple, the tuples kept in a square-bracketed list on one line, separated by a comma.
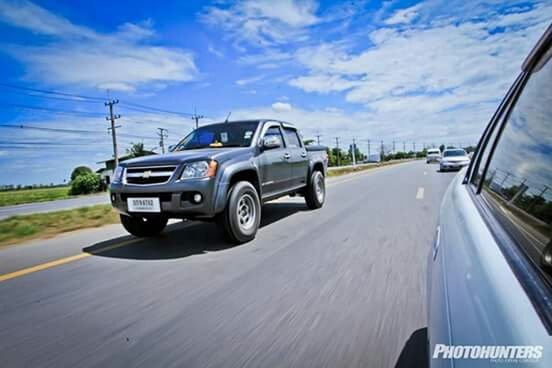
[(18, 229), (337, 171), (13, 197)]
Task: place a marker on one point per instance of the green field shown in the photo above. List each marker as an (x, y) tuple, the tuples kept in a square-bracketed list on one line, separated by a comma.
[(18, 229), (12, 197)]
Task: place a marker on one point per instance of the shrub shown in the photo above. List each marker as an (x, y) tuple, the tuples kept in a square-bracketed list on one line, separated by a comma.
[(80, 170), (85, 184)]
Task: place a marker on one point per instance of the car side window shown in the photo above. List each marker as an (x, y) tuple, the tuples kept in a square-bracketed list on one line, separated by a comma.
[(292, 138), (275, 131), (518, 181)]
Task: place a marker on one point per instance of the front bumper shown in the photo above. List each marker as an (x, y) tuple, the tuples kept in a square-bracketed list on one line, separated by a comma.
[(452, 165), (176, 198)]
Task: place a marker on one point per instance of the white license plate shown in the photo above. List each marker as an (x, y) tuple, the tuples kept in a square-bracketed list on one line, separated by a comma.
[(143, 205)]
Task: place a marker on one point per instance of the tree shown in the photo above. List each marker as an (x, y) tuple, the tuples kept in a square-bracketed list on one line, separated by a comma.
[(359, 156), (442, 148), (137, 150), (80, 170), (85, 184), (307, 142)]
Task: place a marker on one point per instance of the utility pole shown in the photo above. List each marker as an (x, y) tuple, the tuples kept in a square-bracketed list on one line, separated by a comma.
[(404, 146), (353, 149), (414, 147), (197, 117), (163, 134), (368, 149), (337, 145), (382, 152), (318, 138), (112, 117), (393, 146)]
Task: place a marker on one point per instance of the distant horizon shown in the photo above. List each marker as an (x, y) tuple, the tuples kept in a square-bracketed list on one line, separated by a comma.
[(427, 71)]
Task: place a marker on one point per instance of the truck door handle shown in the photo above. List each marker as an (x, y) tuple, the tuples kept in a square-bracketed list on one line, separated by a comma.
[(303, 154), (286, 156)]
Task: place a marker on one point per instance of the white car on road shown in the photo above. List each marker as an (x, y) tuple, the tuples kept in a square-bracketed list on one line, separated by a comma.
[(454, 159), (433, 155)]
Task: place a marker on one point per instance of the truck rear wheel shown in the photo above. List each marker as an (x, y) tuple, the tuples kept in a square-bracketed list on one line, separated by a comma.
[(142, 226), (315, 193), (240, 219)]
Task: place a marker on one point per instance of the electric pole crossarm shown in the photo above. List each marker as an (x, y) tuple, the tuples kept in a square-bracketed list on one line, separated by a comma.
[(112, 117)]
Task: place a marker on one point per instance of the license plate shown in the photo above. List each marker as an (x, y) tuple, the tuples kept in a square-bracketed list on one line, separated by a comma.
[(143, 205)]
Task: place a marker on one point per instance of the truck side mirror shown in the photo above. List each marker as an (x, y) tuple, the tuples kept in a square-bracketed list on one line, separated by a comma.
[(271, 141)]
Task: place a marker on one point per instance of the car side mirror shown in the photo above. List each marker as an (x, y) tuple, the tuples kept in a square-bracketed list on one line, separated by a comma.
[(271, 141), (171, 147)]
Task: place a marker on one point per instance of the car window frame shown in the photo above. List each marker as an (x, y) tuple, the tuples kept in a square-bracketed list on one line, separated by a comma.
[(296, 134), (495, 121), (538, 291), (279, 127)]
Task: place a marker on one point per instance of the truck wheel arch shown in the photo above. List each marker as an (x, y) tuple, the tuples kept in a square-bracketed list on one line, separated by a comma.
[(249, 175), (318, 166), (232, 177)]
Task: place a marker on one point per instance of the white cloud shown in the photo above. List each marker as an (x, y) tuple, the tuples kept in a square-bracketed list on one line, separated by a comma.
[(322, 83), (429, 69), (79, 56), (246, 81), (215, 51), (404, 15), (281, 106), (263, 22)]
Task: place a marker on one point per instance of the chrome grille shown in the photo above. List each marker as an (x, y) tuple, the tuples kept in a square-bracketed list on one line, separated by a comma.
[(148, 175)]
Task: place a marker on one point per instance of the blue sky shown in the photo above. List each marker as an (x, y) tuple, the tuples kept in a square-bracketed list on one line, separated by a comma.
[(429, 71)]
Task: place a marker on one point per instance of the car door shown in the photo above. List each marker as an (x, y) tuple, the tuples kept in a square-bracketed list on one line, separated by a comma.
[(299, 159), (491, 282), (275, 165)]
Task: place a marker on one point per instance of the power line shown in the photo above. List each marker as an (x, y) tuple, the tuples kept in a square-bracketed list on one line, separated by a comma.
[(57, 98), (51, 92), (70, 131), (144, 108), (49, 109)]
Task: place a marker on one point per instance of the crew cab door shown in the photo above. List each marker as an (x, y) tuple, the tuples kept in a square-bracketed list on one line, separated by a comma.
[(274, 163), (299, 159)]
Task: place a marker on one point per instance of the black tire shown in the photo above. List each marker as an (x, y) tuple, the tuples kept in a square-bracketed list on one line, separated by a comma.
[(241, 217), (315, 193), (144, 227)]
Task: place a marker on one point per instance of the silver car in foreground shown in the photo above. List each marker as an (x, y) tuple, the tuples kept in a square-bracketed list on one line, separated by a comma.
[(490, 267), (454, 159)]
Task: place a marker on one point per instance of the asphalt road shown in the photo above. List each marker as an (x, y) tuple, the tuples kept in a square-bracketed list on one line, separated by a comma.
[(343, 286), (50, 206)]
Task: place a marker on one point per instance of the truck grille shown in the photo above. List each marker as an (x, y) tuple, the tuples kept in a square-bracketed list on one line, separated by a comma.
[(149, 175)]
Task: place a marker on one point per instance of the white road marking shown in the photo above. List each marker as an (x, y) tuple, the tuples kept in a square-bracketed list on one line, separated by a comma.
[(425, 172), (420, 193)]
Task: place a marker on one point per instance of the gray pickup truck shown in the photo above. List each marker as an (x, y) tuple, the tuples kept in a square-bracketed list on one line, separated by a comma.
[(221, 172)]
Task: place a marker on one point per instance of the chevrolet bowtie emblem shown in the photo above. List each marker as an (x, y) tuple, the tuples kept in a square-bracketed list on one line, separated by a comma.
[(146, 174)]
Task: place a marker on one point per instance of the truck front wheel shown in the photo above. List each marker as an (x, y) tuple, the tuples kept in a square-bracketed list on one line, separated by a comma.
[(241, 218), (142, 226), (315, 193)]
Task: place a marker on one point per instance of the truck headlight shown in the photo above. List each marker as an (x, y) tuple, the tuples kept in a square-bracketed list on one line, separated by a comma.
[(118, 175), (199, 169)]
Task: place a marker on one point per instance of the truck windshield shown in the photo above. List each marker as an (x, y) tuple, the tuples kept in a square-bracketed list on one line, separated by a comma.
[(235, 134)]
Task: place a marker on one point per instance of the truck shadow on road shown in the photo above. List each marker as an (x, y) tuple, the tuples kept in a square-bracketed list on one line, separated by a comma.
[(185, 238), (414, 352)]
